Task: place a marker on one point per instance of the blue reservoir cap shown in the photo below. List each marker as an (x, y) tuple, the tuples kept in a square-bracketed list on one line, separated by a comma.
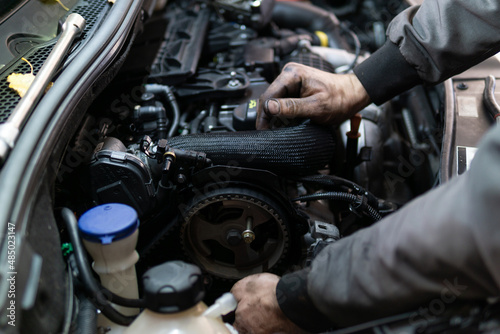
[(108, 222)]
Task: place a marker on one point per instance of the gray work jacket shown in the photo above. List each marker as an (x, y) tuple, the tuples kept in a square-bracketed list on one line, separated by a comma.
[(444, 245)]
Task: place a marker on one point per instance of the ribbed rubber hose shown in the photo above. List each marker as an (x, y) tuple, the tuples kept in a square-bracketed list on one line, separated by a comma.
[(293, 150), (87, 317), (341, 196)]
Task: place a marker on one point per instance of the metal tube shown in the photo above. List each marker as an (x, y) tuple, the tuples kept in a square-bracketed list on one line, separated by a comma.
[(71, 29), (489, 98), (9, 131)]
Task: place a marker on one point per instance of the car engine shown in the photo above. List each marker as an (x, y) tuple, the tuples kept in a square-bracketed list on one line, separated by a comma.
[(174, 137), (171, 133)]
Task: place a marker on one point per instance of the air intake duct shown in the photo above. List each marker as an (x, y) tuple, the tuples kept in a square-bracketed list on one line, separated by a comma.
[(293, 150)]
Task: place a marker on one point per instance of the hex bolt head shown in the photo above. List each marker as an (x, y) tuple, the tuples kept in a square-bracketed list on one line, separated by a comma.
[(248, 236), (233, 237)]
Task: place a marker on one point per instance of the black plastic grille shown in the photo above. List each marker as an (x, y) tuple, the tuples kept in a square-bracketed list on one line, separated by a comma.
[(8, 97), (91, 10)]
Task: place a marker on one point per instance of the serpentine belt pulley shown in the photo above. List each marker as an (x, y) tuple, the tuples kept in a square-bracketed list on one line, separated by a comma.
[(234, 232)]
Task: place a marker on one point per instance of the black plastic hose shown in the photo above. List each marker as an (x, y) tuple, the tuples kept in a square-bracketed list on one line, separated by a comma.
[(170, 98), (357, 46), (156, 113), (290, 15), (336, 181), (357, 201), (87, 317), (94, 291)]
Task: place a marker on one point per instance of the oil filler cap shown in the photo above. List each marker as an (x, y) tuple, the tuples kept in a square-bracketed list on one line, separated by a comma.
[(172, 287), (108, 222)]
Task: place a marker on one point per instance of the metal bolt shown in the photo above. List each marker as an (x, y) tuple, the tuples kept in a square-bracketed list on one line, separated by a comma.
[(147, 96), (462, 86), (181, 178), (233, 237), (233, 82), (248, 235)]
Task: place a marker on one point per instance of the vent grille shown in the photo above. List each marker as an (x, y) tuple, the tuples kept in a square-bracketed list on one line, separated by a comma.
[(91, 10)]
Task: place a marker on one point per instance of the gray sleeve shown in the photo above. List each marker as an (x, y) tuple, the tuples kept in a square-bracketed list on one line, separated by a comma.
[(445, 37), (445, 245), (441, 247), (431, 43)]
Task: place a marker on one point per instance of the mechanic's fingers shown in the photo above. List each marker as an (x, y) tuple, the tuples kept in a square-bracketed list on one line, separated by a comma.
[(237, 290), (287, 84), (278, 111), (262, 122)]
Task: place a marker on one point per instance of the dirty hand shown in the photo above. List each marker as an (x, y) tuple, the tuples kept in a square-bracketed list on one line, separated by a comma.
[(305, 92), (258, 311)]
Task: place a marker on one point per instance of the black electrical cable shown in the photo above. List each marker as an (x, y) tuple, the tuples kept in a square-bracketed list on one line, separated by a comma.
[(357, 45), (346, 197), (330, 180), (95, 292), (122, 301), (336, 181)]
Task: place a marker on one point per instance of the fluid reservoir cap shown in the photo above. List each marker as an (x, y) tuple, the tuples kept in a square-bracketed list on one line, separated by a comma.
[(108, 222), (172, 287)]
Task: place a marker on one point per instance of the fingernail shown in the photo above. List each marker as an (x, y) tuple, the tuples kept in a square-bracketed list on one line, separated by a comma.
[(273, 107)]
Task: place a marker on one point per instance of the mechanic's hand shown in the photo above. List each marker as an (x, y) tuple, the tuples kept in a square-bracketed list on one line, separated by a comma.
[(305, 92), (258, 311)]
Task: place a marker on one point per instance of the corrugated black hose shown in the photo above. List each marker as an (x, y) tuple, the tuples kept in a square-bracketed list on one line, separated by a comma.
[(87, 317), (359, 202), (295, 150)]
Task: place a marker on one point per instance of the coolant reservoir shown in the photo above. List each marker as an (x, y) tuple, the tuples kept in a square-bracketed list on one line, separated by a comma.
[(173, 292), (110, 233)]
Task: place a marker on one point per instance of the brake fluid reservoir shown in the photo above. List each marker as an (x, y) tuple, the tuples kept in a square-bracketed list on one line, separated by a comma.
[(110, 233), (173, 293)]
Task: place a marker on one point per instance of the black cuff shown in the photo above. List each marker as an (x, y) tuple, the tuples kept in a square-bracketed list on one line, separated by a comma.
[(386, 74), (296, 304)]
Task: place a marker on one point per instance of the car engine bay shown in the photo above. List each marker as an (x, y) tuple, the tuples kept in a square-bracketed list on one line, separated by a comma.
[(179, 144), (172, 135)]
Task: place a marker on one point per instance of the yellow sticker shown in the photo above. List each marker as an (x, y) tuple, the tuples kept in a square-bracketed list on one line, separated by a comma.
[(252, 104)]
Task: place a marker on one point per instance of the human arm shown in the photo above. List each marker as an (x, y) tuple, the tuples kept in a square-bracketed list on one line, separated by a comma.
[(442, 246), (258, 311), (425, 45), (439, 248), (304, 92), (431, 43)]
